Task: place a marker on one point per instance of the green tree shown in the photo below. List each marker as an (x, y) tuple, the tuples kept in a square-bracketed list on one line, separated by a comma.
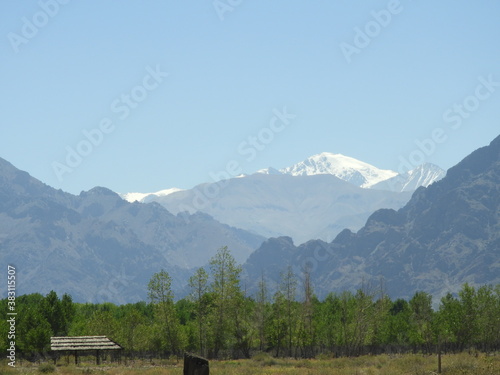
[(449, 320), (288, 287), (68, 310), (307, 323), (129, 325), (33, 331), (421, 317), (329, 322), (199, 289), (488, 317), (468, 315), (277, 328), (399, 324), (227, 296), (161, 295), (380, 330), (261, 313), (243, 331), (102, 323), (347, 313), (53, 312), (355, 317)]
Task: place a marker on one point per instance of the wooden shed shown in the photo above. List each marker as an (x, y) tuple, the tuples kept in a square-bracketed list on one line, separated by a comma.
[(76, 344)]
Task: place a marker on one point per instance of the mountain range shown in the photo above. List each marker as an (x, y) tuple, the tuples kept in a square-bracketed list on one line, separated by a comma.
[(98, 247), (344, 167), (446, 235), (313, 199)]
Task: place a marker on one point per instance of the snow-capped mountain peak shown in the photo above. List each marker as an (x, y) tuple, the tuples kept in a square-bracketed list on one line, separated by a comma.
[(269, 170), (344, 167), (140, 197), (422, 175)]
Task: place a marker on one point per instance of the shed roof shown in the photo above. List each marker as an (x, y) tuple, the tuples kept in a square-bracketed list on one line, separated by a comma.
[(83, 343)]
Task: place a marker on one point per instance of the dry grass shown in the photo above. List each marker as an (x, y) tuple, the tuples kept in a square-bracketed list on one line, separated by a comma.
[(457, 364)]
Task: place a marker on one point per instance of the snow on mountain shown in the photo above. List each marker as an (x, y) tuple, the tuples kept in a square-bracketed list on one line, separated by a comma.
[(423, 175), (344, 167), (351, 170), (362, 174), (269, 170), (132, 197), (316, 198), (141, 197)]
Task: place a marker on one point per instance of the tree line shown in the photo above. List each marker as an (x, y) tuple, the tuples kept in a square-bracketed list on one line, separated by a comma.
[(218, 319)]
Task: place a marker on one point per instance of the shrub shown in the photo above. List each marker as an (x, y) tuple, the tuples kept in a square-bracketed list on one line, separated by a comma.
[(260, 357), (46, 368), (325, 356), (264, 359)]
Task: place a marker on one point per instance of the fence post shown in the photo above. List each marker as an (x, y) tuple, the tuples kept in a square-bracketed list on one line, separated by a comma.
[(439, 355), (194, 365)]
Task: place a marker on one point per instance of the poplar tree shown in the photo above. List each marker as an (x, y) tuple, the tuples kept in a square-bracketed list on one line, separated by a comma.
[(289, 290), (278, 327), (225, 288), (131, 322), (468, 314), (488, 317), (199, 288), (421, 319), (261, 313), (161, 295), (307, 334)]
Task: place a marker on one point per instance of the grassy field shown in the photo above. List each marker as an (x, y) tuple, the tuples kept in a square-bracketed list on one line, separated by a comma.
[(263, 364)]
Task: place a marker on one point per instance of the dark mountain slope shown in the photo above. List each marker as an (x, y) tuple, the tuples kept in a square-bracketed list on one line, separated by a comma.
[(98, 247), (447, 234)]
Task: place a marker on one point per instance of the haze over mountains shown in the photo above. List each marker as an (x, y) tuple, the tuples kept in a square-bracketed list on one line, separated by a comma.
[(313, 199), (447, 234), (99, 247)]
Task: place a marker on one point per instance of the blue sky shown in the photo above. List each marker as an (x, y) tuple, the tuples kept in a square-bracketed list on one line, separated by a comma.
[(143, 96)]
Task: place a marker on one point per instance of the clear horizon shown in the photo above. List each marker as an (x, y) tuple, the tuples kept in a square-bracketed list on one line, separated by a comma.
[(145, 97)]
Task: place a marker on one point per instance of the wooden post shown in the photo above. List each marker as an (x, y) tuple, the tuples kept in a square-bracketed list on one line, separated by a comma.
[(439, 355), (194, 365), (76, 357), (97, 358)]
